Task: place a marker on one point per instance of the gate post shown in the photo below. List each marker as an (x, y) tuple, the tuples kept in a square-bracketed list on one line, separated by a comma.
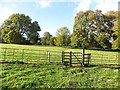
[(83, 52), (89, 57), (70, 58), (62, 57)]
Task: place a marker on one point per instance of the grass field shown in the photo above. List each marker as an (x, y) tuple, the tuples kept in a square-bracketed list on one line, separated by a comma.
[(56, 75)]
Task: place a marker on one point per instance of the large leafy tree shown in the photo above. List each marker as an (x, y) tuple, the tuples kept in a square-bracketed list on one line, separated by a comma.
[(33, 35), (92, 29), (79, 30), (19, 28), (116, 36), (105, 23), (83, 30), (46, 39), (62, 37), (52, 41), (116, 32)]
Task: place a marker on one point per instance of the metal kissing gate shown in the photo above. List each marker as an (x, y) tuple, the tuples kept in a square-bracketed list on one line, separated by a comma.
[(69, 58)]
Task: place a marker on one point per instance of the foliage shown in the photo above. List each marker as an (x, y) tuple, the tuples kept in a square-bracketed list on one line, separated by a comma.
[(62, 37), (92, 29), (116, 34), (18, 28), (52, 41), (33, 34), (46, 38)]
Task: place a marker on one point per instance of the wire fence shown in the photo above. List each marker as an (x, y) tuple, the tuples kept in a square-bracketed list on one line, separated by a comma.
[(46, 56), (104, 59)]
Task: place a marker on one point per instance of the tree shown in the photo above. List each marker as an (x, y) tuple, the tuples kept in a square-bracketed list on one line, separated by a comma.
[(46, 38), (18, 28), (62, 37), (82, 29), (116, 33), (116, 36), (92, 29), (105, 23), (52, 41), (34, 32)]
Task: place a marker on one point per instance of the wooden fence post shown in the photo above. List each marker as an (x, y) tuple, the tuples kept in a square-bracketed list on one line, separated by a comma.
[(48, 56), (62, 57), (89, 57), (70, 58)]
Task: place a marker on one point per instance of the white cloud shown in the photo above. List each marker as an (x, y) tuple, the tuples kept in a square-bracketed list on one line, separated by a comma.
[(5, 12), (83, 5), (104, 5), (47, 3), (107, 5), (44, 3)]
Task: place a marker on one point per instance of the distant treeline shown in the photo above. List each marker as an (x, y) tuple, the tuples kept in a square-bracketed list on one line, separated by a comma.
[(91, 29)]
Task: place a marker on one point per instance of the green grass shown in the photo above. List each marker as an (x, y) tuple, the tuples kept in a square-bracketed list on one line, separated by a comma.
[(52, 48), (34, 47), (56, 75)]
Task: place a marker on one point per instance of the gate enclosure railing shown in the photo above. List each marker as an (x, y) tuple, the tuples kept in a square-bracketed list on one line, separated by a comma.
[(75, 57), (45, 56)]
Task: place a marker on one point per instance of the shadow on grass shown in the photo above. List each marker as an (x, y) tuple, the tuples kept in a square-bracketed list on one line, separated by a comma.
[(111, 66), (36, 63), (13, 62)]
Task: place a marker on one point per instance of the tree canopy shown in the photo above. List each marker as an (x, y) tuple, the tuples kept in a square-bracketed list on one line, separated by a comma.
[(63, 37), (93, 29), (19, 28), (46, 38), (116, 30)]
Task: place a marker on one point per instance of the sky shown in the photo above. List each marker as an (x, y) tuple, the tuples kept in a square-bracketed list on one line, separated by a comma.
[(53, 14)]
